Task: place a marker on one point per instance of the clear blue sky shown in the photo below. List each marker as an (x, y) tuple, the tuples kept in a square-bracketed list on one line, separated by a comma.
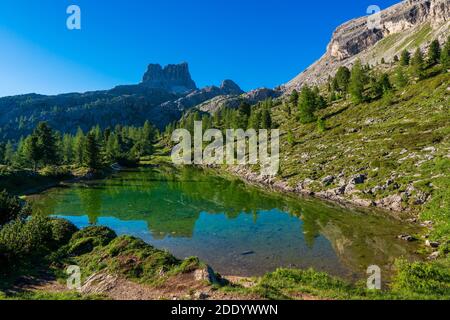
[(254, 42)]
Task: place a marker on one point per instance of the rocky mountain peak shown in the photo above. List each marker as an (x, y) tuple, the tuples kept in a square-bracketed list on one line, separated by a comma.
[(406, 25), (230, 87), (173, 77)]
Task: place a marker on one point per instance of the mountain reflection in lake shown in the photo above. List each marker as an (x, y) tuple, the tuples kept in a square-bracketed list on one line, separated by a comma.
[(237, 229)]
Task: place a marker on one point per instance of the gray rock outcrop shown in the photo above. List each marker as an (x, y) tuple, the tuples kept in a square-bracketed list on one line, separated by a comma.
[(406, 25), (173, 78)]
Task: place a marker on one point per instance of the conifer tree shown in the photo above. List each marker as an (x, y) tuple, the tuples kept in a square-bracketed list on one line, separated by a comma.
[(92, 152), (385, 83), (2, 152), (342, 79), (417, 64), (401, 80), (357, 81), (434, 53), (47, 144), (405, 58), (307, 105), (266, 119), (79, 143), (32, 151), (445, 55), (293, 98), (9, 156)]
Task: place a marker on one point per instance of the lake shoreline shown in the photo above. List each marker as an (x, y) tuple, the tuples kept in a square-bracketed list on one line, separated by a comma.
[(216, 172)]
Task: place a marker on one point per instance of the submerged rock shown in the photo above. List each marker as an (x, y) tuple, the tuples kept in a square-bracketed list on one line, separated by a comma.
[(432, 244), (406, 237)]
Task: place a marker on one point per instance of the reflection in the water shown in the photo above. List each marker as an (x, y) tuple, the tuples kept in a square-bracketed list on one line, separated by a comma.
[(236, 228)]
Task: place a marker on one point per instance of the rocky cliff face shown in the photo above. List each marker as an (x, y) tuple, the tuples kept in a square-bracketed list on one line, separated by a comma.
[(234, 101), (406, 25), (199, 96), (173, 78)]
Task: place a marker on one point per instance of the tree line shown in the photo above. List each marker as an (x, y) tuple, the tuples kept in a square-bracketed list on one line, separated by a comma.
[(93, 149), (244, 117)]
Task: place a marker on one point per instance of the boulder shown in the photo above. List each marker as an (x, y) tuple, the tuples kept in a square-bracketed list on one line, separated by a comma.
[(432, 244), (328, 180)]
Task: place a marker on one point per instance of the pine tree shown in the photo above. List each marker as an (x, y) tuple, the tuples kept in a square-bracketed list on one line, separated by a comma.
[(445, 55), (245, 109), (293, 98), (32, 151), (112, 149), (266, 119), (79, 146), (2, 152), (405, 58), (147, 137), (434, 53), (396, 59), (9, 156), (417, 64), (343, 79), (401, 79), (255, 120), (46, 142), (92, 152), (357, 80), (385, 83), (68, 154), (244, 113), (306, 105)]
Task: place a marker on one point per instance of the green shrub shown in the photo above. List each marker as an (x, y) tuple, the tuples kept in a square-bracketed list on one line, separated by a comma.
[(431, 278), (134, 259), (62, 231), (55, 171), (11, 208), (86, 240), (24, 240)]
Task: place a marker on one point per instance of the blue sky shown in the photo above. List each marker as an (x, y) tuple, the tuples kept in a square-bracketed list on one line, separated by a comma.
[(254, 42)]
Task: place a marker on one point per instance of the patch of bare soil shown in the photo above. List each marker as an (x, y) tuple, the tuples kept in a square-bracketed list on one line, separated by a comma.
[(181, 287), (188, 286)]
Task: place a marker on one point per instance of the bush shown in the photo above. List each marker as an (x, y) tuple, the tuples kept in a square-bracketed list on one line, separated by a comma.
[(62, 231), (422, 278), (134, 259), (55, 172), (24, 240), (86, 240), (11, 208)]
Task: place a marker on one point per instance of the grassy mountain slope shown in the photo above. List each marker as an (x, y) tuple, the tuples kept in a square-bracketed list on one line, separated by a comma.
[(406, 138)]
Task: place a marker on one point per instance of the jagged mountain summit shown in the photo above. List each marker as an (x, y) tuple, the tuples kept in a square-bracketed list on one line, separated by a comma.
[(162, 97), (406, 25), (173, 78)]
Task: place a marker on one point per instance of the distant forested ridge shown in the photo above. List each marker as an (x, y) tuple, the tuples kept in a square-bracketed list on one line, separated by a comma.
[(161, 98)]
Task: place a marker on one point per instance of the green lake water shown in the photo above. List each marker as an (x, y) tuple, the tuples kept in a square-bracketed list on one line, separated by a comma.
[(236, 228)]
